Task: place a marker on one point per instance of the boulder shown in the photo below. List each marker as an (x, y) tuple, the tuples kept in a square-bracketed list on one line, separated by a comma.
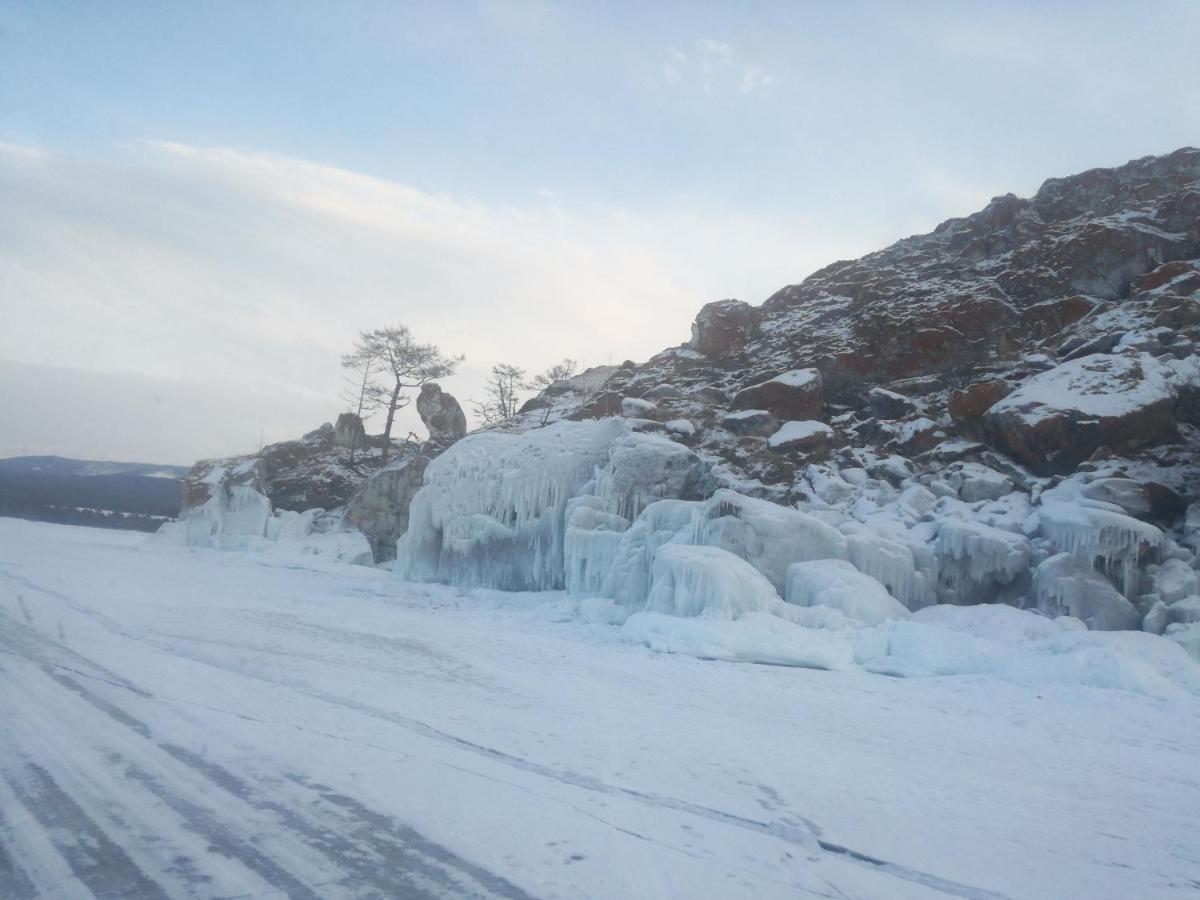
[(349, 431), (380, 509), (887, 404), (722, 328), (1141, 499), (794, 395), (1059, 418), (968, 405), (442, 415), (752, 422), (635, 408), (803, 436)]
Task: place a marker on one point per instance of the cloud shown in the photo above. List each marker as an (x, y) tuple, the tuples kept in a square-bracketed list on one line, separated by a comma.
[(245, 272), (712, 67)]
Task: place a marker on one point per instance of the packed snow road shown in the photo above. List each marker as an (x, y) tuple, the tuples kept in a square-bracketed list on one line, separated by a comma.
[(179, 723)]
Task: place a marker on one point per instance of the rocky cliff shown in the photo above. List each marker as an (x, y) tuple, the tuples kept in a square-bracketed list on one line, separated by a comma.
[(1004, 409)]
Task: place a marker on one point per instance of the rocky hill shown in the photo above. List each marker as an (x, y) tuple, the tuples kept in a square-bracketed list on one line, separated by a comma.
[(1003, 410)]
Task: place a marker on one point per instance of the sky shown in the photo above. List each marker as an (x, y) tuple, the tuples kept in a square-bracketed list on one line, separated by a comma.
[(202, 204)]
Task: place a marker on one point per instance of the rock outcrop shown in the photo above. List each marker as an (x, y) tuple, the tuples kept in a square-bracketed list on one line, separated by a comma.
[(442, 415)]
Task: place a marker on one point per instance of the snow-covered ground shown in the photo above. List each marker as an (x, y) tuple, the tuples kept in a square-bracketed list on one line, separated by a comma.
[(186, 723)]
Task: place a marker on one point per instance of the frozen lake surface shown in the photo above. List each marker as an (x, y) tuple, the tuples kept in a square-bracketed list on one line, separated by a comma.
[(187, 723)]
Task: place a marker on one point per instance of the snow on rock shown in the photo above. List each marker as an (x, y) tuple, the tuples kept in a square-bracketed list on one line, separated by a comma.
[(800, 436), (838, 584), (976, 482), (1068, 585), (635, 408), (977, 560), (681, 427), (756, 422), (796, 394), (1057, 419)]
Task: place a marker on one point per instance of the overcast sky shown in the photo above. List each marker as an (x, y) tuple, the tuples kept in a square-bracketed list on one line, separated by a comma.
[(201, 204)]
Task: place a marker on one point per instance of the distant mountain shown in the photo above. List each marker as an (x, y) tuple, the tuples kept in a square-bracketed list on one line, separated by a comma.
[(138, 496)]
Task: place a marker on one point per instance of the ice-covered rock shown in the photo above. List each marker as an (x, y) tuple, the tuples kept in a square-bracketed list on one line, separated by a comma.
[(1187, 637), (1185, 611), (1099, 532), (838, 584), (978, 560), (1067, 585), (768, 536), (493, 508), (1174, 579), (707, 581), (893, 565), (1157, 618), (976, 482)]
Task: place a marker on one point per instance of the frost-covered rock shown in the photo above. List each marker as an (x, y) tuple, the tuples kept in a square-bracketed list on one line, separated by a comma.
[(839, 585), (1067, 585), (1057, 419)]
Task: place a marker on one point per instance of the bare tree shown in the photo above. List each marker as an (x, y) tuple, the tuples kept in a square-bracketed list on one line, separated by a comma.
[(398, 364), (557, 372), (501, 398), (355, 393)]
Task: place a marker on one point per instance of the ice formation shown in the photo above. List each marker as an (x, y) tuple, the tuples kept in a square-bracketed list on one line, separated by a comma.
[(893, 565), (237, 516), (707, 581), (977, 559), (839, 585), (493, 509), (1068, 585), (1101, 532)]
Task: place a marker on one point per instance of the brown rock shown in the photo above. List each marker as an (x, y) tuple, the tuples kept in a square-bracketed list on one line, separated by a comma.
[(968, 405), (722, 328), (794, 395), (1059, 418)]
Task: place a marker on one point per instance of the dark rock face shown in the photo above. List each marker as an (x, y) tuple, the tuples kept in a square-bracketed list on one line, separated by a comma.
[(722, 328), (1059, 418), (442, 415), (889, 405), (349, 431), (794, 395), (380, 509)]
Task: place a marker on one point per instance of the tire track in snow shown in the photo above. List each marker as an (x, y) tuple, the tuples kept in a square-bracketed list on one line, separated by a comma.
[(788, 833)]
